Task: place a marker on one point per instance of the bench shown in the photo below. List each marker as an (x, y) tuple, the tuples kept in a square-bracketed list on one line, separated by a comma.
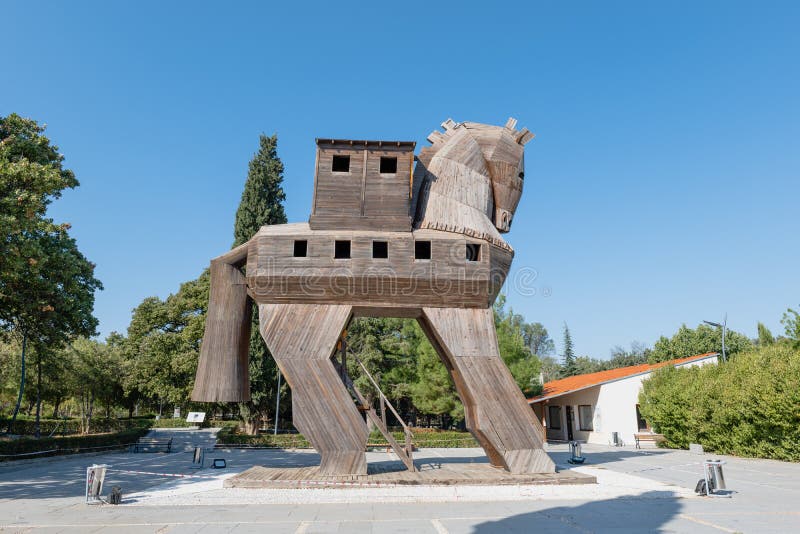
[(153, 445), (655, 438)]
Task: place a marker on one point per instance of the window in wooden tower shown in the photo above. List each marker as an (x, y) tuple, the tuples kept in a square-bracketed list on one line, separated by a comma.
[(341, 250), (422, 250), (388, 165), (380, 249), (341, 164), (300, 248), (473, 251)]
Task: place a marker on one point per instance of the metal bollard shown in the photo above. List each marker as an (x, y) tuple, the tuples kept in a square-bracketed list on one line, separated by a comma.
[(575, 453), (714, 474), (715, 480), (198, 458)]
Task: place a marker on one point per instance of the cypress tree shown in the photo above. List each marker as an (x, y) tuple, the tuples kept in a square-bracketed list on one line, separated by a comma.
[(261, 204), (263, 196), (569, 354)]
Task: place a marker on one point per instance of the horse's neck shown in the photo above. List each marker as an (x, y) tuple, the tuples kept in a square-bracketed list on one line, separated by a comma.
[(454, 190)]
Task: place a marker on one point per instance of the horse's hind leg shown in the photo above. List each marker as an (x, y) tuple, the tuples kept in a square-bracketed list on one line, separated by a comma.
[(497, 413), (302, 338)]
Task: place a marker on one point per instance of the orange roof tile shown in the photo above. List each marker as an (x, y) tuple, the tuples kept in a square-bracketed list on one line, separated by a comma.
[(557, 388)]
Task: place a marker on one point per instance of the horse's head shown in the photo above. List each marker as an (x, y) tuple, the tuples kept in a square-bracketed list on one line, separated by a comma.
[(470, 178), (503, 151)]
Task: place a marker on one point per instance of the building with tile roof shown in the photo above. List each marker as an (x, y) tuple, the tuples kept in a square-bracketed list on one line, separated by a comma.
[(594, 406)]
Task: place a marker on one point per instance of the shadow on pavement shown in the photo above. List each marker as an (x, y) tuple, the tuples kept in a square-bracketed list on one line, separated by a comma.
[(648, 512)]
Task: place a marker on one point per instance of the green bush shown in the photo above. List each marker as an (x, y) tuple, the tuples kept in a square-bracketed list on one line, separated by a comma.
[(25, 426), (69, 444), (749, 406), (172, 423), (422, 438)]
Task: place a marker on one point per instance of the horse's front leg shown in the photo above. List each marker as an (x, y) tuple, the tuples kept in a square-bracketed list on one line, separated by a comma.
[(302, 339), (496, 412)]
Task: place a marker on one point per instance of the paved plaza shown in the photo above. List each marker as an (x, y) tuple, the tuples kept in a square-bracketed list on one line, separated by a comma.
[(637, 491)]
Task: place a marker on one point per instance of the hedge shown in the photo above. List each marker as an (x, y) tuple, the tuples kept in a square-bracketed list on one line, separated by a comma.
[(422, 437), (749, 406), (69, 444), (26, 426)]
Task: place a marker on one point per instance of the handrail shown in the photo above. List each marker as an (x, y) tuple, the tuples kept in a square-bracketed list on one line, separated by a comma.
[(378, 388)]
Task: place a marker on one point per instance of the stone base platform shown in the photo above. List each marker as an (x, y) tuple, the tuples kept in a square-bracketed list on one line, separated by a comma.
[(428, 474)]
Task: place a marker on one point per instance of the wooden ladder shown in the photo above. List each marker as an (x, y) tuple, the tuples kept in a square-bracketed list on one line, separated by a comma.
[(402, 451)]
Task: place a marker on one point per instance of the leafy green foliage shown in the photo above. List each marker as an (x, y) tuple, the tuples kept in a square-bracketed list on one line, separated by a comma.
[(791, 321), (46, 285), (163, 343), (746, 407), (422, 437), (516, 353), (71, 444), (765, 337), (689, 342)]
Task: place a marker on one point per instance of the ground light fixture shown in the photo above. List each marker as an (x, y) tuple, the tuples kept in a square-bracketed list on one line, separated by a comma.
[(724, 327)]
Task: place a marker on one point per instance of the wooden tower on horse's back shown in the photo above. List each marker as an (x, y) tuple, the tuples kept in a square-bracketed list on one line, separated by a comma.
[(383, 241), (362, 185)]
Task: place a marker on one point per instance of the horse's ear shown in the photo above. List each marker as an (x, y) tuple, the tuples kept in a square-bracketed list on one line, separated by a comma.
[(523, 136), (511, 123)]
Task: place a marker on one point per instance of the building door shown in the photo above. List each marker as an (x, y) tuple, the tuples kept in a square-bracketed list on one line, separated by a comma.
[(569, 423), (641, 424)]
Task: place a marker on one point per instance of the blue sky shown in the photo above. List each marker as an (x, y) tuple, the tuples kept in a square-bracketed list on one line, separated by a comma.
[(662, 187)]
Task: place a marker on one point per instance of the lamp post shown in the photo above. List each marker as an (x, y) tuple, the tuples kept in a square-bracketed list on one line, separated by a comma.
[(277, 403), (724, 327)]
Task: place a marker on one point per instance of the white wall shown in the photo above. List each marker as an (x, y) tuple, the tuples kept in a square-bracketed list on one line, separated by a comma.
[(614, 405)]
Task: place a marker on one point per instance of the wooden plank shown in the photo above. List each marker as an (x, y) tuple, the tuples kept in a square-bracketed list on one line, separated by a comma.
[(497, 413), (302, 338), (223, 370)]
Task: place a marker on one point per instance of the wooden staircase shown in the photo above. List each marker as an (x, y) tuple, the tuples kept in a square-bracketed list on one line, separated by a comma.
[(379, 420)]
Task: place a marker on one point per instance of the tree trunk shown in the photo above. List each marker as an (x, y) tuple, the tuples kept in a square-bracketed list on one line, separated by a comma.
[(91, 409), (56, 404), (130, 411), (21, 386), (36, 427)]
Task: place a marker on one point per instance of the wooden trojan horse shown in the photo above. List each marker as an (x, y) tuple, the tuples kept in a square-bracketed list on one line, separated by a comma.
[(384, 239)]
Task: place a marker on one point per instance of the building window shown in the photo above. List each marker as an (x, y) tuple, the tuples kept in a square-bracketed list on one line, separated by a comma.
[(341, 164), (341, 250), (473, 251), (380, 249), (585, 416), (422, 250), (300, 248), (388, 165), (641, 424), (554, 417)]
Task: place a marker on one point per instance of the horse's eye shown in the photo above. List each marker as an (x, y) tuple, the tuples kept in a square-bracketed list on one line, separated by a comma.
[(522, 175)]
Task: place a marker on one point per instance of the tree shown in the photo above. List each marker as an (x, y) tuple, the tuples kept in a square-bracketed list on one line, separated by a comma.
[(537, 339), (689, 342), (163, 343), (570, 368), (791, 321), (261, 204), (263, 196), (46, 285), (521, 362), (620, 357), (434, 392), (765, 337)]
